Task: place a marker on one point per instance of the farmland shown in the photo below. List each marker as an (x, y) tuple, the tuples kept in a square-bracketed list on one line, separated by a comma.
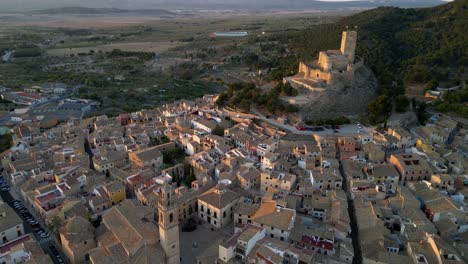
[(135, 62)]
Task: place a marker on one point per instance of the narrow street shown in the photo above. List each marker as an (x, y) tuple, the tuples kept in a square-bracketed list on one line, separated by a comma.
[(46, 244), (353, 222), (89, 151)]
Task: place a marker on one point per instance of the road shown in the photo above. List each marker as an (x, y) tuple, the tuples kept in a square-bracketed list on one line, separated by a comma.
[(43, 242), (345, 130), (5, 120)]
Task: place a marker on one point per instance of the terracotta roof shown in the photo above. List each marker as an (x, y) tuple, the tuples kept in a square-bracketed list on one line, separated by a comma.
[(7, 246), (218, 197), (77, 230), (271, 215)]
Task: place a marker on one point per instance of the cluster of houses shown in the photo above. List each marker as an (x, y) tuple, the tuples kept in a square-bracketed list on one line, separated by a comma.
[(122, 186), (34, 94)]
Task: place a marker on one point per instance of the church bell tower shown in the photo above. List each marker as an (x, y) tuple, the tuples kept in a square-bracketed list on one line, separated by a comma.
[(169, 225)]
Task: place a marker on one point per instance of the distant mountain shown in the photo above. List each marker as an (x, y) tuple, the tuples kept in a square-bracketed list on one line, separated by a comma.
[(76, 10), (258, 5)]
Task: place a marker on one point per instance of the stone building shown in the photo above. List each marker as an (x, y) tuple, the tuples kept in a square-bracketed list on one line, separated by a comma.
[(332, 66), (411, 167), (77, 238), (169, 225), (216, 206)]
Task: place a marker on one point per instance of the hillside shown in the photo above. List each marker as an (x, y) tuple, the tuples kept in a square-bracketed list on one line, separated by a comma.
[(399, 45), (393, 40)]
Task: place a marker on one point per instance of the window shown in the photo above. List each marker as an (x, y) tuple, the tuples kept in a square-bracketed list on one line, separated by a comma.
[(224, 214), (171, 218)]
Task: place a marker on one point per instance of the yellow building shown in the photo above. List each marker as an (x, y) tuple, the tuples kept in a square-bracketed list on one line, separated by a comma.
[(116, 192), (427, 148)]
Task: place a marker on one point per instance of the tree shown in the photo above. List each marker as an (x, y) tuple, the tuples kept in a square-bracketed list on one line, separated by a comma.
[(189, 176), (218, 130), (380, 106), (223, 98), (288, 90), (432, 84), (175, 174), (55, 224), (401, 103), (421, 113)]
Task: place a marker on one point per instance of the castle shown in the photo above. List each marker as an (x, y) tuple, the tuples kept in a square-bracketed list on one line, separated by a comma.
[(332, 66)]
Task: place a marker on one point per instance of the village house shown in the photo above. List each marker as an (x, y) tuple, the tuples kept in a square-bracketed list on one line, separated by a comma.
[(328, 179), (149, 157), (216, 205), (277, 180), (11, 225), (411, 167), (277, 221)]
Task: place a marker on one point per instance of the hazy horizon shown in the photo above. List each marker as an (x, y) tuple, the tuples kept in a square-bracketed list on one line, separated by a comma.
[(29, 5)]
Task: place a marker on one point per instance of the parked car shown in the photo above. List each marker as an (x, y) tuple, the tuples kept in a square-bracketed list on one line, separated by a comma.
[(53, 249), (18, 206)]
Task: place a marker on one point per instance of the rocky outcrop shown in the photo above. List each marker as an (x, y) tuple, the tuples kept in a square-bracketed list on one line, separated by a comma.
[(342, 100)]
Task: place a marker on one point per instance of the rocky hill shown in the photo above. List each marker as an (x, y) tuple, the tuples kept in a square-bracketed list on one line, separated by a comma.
[(337, 101), (400, 46)]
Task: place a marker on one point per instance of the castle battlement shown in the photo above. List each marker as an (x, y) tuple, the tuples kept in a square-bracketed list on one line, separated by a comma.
[(331, 67)]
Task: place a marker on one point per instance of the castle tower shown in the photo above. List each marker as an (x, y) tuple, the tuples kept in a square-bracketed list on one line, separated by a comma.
[(169, 225), (348, 44)]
